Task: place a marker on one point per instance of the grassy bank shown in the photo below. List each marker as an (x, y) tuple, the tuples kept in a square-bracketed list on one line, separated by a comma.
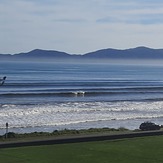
[(61, 133), (142, 150)]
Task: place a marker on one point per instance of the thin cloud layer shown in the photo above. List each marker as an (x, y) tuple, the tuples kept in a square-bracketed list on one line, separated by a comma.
[(77, 26)]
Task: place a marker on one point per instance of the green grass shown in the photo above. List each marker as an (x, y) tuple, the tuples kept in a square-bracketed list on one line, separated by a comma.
[(136, 150)]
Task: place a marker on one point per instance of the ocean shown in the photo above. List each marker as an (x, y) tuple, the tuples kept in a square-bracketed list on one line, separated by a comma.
[(48, 96)]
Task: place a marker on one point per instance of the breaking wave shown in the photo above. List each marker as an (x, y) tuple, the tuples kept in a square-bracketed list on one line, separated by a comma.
[(74, 112)]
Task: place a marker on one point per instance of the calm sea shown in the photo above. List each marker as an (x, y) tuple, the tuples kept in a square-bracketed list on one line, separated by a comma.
[(51, 96)]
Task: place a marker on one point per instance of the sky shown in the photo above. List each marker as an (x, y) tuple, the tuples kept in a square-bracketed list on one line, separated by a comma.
[(79, 26)]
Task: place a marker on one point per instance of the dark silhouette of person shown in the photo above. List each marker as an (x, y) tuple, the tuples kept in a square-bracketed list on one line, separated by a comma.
[(3, 80)]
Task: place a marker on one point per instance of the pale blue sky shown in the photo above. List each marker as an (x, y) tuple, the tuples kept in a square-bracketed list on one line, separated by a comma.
[(79, 26)]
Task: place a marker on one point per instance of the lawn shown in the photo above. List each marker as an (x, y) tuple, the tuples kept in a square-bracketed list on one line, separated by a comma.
[(135, 150)]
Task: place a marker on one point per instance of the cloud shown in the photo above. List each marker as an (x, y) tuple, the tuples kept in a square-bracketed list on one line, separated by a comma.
[(143, 19), (147, 19), (133, 12), (79, 26), (69, 20)]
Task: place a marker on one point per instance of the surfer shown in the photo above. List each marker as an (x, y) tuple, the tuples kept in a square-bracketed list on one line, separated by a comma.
[(2, 80)]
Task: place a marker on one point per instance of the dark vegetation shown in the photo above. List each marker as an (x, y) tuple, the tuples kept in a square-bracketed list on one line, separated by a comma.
[(65, 132), (147, 126)]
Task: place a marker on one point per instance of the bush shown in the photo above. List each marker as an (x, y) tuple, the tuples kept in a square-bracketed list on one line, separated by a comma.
[(146, 126), (10, 135)]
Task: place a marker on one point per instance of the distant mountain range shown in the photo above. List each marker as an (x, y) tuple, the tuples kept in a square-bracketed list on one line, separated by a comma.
[(134, 53)]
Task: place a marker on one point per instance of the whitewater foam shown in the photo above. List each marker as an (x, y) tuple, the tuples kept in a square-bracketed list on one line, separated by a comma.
[(70, 113)]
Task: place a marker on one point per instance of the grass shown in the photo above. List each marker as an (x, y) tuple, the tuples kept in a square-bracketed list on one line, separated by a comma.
[(11, 136), (135, 150)]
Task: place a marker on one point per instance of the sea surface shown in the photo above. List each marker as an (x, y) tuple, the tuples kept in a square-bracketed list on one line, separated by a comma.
[(48, 96)]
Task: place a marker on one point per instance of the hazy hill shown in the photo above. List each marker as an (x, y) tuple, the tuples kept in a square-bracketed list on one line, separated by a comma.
[(134, 53), (43, 54)]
